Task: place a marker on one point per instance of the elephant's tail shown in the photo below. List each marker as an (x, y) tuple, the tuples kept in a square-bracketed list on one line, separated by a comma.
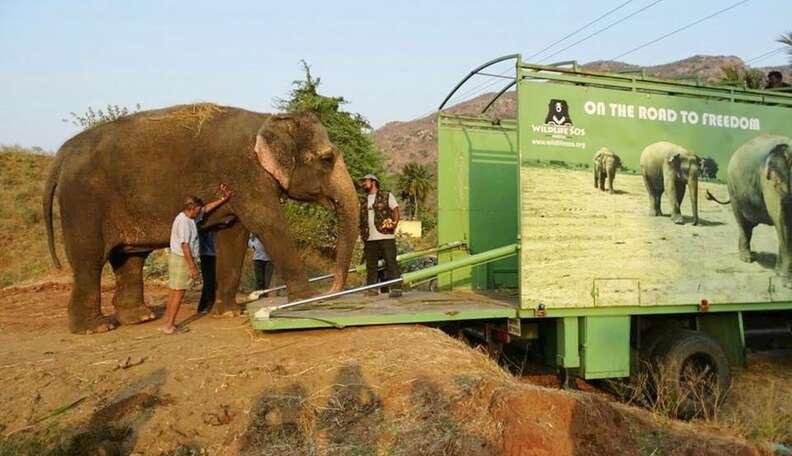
[(711, 197), (49, 196)]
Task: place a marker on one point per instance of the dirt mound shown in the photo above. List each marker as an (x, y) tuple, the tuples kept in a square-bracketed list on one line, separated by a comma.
[(223, 389)]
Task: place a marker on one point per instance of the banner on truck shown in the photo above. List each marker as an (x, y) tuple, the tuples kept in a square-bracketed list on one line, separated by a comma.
[(613, 204)]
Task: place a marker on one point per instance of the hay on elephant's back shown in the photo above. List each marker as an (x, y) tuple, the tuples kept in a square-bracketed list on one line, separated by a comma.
[(191, 117)]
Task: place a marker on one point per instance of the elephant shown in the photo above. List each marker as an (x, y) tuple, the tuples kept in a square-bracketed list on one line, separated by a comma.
[(760, 192), (668, 167), (120, 184), (605, 165)]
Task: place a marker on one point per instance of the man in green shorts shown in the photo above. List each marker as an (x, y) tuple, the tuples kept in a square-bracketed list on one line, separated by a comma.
[(182, 268)]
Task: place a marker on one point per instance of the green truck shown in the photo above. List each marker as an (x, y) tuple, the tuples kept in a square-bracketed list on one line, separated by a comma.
[(598, 278)]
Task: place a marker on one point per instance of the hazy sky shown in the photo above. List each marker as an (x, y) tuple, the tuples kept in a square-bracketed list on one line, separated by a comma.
[(392, 60)]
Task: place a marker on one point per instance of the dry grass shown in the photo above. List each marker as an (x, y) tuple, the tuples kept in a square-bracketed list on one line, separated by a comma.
[(191, 117), (23, 239), (755, 408), (758, 404)]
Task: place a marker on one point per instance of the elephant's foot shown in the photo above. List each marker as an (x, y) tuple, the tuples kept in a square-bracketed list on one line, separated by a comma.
[(746, 256), (654, 213), (610, 190), (228, 313), (678, 219), (226, 308), (134, 315), (301, 294), (95, 325)]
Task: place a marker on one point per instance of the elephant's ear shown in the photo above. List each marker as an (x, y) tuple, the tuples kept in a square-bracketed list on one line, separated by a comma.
[(278, 165), (780, 152)]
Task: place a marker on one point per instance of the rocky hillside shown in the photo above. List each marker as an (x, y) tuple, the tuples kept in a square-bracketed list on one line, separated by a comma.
[(415, 141)]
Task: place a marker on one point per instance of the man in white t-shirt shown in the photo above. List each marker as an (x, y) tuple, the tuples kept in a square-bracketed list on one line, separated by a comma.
[(379, 216), (182, 268)]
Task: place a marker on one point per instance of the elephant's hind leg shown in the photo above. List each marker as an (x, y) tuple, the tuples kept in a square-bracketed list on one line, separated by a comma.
[(85, 302), (746, 231), (128, 297)]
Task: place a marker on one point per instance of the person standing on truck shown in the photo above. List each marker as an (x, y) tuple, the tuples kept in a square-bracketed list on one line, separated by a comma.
[(775, 80), (182, 268), (262, 264), (379, 217)]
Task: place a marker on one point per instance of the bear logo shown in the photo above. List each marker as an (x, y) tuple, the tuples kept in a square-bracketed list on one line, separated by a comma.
[(558, 113)]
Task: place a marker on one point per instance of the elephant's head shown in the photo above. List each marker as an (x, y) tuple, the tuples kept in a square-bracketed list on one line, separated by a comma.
[(687, 167), (777, 169), (296, 151)]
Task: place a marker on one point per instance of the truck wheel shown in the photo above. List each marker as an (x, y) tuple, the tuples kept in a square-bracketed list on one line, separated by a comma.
[(652, 339), (691, 374)]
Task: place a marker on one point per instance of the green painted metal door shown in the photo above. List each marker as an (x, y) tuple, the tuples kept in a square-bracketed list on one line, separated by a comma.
[(477, 197)]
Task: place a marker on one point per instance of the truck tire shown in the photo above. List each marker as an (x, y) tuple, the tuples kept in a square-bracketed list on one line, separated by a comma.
[(691, 373), (652, 339)]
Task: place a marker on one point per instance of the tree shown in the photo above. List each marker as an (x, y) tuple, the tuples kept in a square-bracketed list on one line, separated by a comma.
[(709, 168), (93, 118), (314, 226), (752, 79), (415, 184), (349, 132), (786, 39)]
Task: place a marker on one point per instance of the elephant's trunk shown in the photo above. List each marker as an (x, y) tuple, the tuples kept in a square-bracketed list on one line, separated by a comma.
[(693, 190), (347, 208)]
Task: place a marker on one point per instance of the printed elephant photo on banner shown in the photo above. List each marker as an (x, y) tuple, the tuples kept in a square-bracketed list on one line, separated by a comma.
[(669, 168), (606, 163), (760, 192), (119, 185)]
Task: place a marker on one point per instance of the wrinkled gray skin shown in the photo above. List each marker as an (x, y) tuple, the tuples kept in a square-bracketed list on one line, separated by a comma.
[(605, 165), (669, 168), (120, 185), (759, 192)]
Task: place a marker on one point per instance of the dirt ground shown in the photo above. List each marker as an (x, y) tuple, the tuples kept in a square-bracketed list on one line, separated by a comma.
[(223, 389), (584, 247)]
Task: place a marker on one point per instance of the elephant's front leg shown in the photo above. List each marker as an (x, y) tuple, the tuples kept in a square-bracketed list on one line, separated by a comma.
[(611, 175), (784, 259), (128, 296), (596, 176), (654, 196), (675, 191), (231, 245)]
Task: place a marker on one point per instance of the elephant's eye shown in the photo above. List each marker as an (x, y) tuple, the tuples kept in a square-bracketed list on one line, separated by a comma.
[(327, 156)]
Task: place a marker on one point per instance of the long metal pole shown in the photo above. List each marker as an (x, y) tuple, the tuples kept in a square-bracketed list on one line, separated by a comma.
[(403, 258), (407, 278), (265, 312)]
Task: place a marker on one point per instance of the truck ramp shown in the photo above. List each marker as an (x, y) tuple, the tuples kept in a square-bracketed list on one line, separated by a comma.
[(412, 307)]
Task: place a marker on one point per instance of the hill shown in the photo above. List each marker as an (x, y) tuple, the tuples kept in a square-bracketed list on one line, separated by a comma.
[(403, 142), (23, 246)]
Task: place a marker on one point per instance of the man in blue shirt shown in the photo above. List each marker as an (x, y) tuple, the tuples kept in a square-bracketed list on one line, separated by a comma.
[(206, 249), (262, 265)]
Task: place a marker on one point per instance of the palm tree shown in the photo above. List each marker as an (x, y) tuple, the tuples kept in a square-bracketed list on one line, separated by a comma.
[(786, 39), (415, 183)]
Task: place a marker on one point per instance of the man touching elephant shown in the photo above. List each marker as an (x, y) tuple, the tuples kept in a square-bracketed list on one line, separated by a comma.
[(182, 267)]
